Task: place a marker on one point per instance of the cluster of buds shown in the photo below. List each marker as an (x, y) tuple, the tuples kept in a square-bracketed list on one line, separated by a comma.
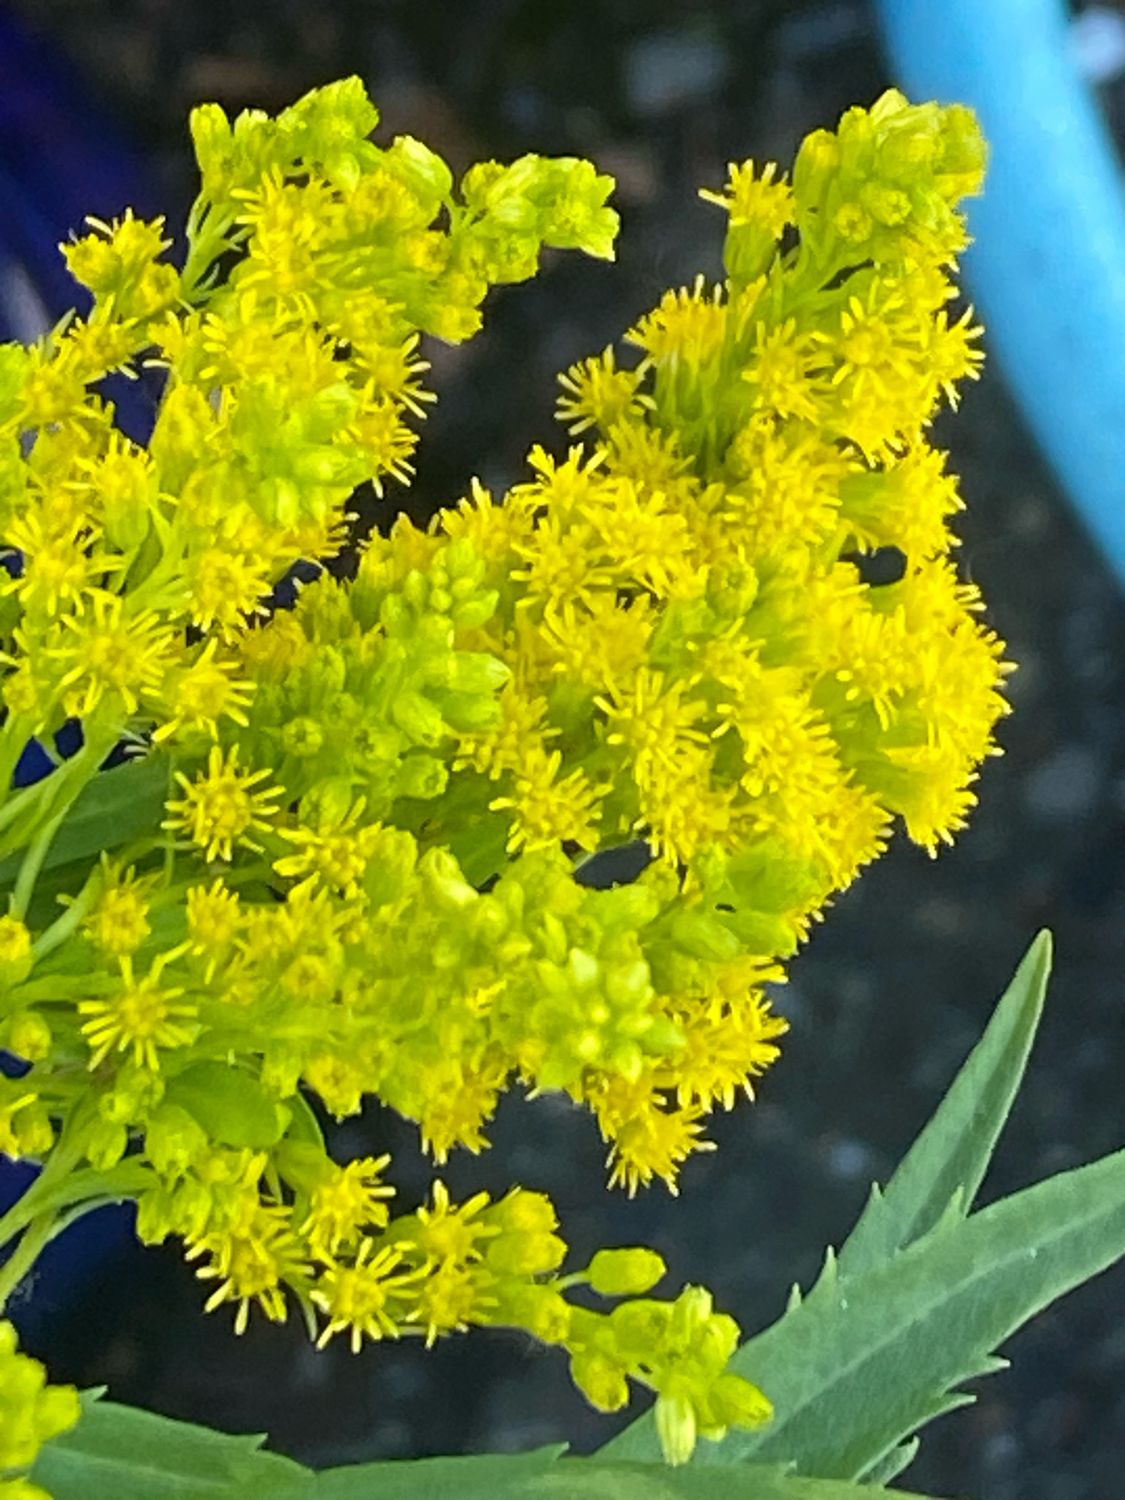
[(344, 856)]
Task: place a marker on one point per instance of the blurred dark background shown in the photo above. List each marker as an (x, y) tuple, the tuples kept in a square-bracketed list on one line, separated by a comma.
[(896, 986)]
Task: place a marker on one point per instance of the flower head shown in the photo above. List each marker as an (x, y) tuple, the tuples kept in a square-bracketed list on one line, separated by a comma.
[(224, 806)]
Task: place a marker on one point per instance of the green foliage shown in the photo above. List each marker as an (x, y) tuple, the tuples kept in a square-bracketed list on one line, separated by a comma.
[(120, 1453), (922, 1294), (117, 1453), (230, 1105), (507, 1478), (951, 1155), (862, 1363), (110, 810)]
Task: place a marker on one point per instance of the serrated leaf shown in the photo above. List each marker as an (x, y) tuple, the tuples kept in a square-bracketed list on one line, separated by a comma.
[(114, 807), (122, 1453), (891, 1465), (863, 1362), (952, 1153), (510, 1477)]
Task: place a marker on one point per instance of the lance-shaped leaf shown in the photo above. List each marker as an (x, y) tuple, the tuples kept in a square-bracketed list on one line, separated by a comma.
[(113, 808), (951, 1155), (534, 1476), (862, 1362), (122, 1453)]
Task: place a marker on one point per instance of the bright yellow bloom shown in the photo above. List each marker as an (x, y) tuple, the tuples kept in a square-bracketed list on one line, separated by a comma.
[(668, 636), (349, 1199), (252, 1260), (368, 1298), (117, 922), (142, 1017), (753, 197), (104, 649), (203, 693), (224, 806), (31, 1411), (335, 856)]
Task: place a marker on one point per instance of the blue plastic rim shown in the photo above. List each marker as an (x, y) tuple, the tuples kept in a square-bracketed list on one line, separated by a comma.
[(1047, 268)]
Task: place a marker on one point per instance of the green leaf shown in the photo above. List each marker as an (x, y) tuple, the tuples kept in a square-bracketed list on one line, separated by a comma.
[(113, 808), (535, 1477), (891, 1465), (952, 1153), (230, 1104), (862, 1362), (120, 1453)]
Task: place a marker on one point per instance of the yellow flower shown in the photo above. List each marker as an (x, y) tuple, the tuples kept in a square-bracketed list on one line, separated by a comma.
[(687, 325), (226, 588), (348, 1200), (15, 950), (60, 566), (141, 1016), (648, 1137), (31, 1411), (369, 1298), (224, 806), (753, 197), (254, 1259), (201, 694), (106, 648), (335, 856), (598, 394), (117, 922), (213, 919), (549, 809)]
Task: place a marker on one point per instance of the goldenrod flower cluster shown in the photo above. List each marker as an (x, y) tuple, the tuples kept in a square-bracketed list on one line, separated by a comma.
[(367, 878), (31, 1412)]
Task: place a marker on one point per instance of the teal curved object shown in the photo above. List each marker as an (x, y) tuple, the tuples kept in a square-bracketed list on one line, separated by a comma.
[(1047, 267)]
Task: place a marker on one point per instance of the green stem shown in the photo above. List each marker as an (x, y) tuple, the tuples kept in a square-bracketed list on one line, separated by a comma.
[(35, 1200), (59, 790), (59, 987), (78, 1193), (208, 237), (23, 1257), (33, 862), (67, 925), (13, 738), (20, 800)]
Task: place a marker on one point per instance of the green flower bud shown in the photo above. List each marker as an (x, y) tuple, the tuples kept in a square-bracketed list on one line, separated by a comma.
[(155, 1219), (525, 1254), (15, 952), (601, 1381), (105, 1144), (445, 884), (541, 1309), (422, 776), (418, 719), (212, 141), (675, 1427), (735, 1402), (302, 737), (818, 160), (29, 1036), (174, 1140), (475, 612), (422, 170), (625, 1273)]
